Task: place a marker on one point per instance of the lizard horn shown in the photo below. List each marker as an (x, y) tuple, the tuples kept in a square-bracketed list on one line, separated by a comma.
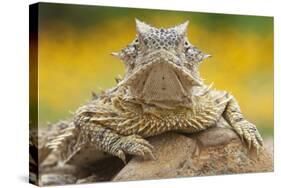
[(142, 27), (182, 28)]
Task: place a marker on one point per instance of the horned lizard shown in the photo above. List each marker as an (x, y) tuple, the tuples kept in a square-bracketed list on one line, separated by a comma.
[(161, 91)]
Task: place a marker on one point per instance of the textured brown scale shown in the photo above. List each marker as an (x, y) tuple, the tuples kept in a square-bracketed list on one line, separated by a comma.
[(161, 91)]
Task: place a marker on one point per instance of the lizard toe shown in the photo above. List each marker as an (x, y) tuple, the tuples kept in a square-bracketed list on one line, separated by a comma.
[(136, 146)]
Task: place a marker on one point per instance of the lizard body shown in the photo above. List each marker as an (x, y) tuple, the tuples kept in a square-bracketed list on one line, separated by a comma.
[(161, 91)]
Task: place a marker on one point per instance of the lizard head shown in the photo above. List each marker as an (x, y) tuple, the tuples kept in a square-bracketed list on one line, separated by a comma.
[(161, 65)]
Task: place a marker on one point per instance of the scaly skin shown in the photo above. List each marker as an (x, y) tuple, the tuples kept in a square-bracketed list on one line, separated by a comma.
[(161, 91)]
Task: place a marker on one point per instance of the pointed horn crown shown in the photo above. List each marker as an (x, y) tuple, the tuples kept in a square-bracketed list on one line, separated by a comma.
[(182, 28), (142, 27)]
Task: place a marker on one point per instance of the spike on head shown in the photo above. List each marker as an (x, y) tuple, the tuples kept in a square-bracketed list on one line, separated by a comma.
[(115, 54), (205, 56), (142, 27), (182, 28), (118, 55)]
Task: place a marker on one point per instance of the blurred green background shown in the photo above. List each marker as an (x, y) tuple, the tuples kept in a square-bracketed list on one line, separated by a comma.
[(75, 42)]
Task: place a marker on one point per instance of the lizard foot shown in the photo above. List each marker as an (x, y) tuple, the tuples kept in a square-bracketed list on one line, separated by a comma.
[(248, 132), (133, 145)]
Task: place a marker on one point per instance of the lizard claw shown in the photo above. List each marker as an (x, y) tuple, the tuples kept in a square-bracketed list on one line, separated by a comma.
[(122, 156), (134, 145), (249, 133)]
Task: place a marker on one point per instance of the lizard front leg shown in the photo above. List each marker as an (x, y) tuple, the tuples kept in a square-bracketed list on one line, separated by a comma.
[(115, 144), (245, 129)]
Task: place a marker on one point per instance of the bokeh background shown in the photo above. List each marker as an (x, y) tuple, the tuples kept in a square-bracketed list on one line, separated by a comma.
[(75, 42)]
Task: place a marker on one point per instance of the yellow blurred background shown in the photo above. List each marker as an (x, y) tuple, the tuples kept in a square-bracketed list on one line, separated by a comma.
[(75, 42)]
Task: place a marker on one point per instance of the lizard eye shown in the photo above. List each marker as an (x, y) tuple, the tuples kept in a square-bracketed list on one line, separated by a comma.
[(136, 43), (129, 53), (193, 55)]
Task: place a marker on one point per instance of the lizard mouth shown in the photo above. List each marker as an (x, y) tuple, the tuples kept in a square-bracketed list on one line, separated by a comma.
[(158, 57), (161, 78)]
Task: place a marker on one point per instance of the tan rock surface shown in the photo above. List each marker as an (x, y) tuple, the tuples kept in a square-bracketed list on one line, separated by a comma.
[(212, 152)]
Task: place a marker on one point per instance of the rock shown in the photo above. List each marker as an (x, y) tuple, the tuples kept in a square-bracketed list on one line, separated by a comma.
[(57, 175), (89, 179), (211, 152), (57, 179), (268, 142), (103, 170)]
